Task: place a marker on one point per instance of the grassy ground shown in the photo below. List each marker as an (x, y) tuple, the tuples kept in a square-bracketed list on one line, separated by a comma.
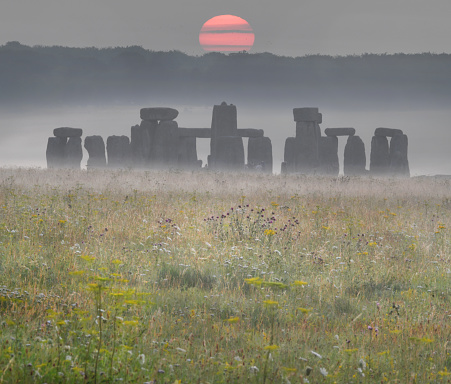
[(148, 277)]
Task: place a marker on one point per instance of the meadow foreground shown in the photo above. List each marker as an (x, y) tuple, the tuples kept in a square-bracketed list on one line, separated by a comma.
[(171, 277)]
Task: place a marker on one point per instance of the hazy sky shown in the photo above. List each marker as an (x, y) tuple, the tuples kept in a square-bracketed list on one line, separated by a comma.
[(286, 27)]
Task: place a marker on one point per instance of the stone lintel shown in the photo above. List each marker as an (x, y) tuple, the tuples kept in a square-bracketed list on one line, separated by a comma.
[(390, 132), (339, 131)]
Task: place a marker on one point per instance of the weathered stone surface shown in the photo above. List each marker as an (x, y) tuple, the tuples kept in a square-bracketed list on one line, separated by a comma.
[(289, 155), (328, 156), (96, 150), (147, 134), (137, 147), (164, 145), (229, 153), (118, 150), (259, 154), (187, 155), (307, 114), (158, 114), (55, 152), (380, 156), (250, 132), (399, 164), (223, 124), (73, 153), (307, 155), (354, 157), (204, 133), (339, 132), (390, 132), (67, 132)]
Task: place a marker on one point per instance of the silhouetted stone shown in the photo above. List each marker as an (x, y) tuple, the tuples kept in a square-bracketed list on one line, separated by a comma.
[(187, 156), (390, 132), (289, 155), (229, 153), (55, 152), (328, 156), (73, 153), (164, 145), (67, 132), (306, 152), (147, 133), (339, 132), (118, 150), (158, 114), (307, 114), (223, 124), (250, 132), (380, 156), (399, 164), (96, 150), (259, 154), (354, 157)]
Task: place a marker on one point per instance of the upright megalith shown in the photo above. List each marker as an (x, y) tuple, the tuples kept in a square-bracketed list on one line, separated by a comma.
[(118, 151), (65, 150), (380, 155), (354, 157), (164, 145), (224, 123), (303, 153), (259, 154), (328, 156), (399, 163), (187, 153), (55, 152), (96, 150)]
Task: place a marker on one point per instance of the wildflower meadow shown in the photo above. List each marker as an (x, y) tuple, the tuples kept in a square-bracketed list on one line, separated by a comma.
[(198, 277)]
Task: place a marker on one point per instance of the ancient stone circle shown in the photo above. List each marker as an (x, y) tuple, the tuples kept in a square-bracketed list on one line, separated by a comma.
[(159, 143)]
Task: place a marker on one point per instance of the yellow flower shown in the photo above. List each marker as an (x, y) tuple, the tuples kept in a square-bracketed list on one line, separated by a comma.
[(300, 283), (274, 204), (304, 310), (350, 351), (130, 322), (395, 331), (254, 280), (271, 347), (269, 232), (77, 273), (117, 262), (286, 369), (87, 257), (384, 353), (233, 319), (325, 228), (271, 303)]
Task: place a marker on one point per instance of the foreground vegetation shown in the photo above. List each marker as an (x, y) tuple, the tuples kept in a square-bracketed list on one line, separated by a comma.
[(148, 277)]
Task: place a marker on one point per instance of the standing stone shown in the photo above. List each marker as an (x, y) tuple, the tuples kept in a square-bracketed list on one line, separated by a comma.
[(73, 153), (187, 153), (289, 155), (96, 150), (259, 154), (55, 152), (307, 138), (354, 158), (380, 156), (136, 147), (328, 156), (399, 164), (229, 153), (164, 144), (223, 124), (118, 150)]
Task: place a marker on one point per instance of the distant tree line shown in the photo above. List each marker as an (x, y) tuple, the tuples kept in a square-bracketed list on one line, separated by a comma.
[(56, 74)]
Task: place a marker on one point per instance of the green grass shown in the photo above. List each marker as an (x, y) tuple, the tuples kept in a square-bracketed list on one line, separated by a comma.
[(169, 277)]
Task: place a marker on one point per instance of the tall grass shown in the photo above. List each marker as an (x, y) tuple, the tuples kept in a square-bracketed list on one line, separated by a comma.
[(127, 276)]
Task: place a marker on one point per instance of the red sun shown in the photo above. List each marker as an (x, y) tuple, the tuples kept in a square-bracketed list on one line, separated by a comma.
[(226, 33)]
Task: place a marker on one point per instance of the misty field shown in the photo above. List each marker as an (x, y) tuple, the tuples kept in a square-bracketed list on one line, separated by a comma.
[(171, 277)]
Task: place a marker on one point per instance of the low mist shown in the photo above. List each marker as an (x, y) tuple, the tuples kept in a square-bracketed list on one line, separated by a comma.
[(26, 130)]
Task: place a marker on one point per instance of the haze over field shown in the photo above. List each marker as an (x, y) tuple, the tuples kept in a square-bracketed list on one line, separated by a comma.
[(102, 90)]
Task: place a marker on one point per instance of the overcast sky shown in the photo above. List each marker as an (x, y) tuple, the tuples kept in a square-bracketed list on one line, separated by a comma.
[(285, 27)]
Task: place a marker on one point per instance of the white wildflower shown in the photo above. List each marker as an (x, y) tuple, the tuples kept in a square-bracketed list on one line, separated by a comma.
[(316, 354)]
